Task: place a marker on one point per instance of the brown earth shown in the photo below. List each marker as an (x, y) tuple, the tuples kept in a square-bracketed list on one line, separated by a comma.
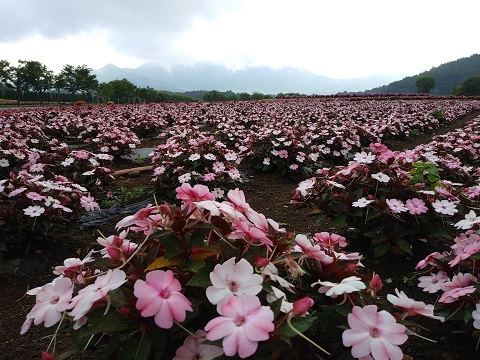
[(266, 193)]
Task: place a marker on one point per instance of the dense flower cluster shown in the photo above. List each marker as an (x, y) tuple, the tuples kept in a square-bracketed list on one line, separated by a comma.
[(394, 197), (224, 272)]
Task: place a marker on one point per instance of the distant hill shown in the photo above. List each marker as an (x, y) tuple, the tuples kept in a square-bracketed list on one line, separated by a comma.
[(262, 79), (446, 77)]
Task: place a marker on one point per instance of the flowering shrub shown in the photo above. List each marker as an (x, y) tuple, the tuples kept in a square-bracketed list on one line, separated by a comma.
[(452, 275), (31, 204), (209, 278), (393, 198), (189, 156), (79, 102)]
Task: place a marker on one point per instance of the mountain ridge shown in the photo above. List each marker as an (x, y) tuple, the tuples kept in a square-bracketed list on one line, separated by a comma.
[(203, 76)]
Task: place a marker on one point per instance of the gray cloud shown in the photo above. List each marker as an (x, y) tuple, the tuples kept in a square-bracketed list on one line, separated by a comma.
[(137, 25)]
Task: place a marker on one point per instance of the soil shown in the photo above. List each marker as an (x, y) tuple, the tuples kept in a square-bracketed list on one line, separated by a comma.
[(268, 194)]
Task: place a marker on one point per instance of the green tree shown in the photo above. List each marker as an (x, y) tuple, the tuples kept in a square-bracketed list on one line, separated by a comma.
[(425, 84), (37, 77), (214, 95), (77, 79), (122, 90), (470, 86)]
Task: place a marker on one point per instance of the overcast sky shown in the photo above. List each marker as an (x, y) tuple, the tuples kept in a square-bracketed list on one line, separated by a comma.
[(339, 39)]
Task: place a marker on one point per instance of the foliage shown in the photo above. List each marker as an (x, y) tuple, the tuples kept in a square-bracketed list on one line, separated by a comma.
[(446, 75), (191, 264), (470, 86), (392, 198), (75, 79), (425, 84), (123, 196)]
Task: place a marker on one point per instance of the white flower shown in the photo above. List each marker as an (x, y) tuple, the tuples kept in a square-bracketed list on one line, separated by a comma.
[(68, 161), (346, 286), (185, 178), (470, 219), (34, 211), (266, 161), (218, 193), (230, 156), (445, 207), (194, 157), (364, 158), (381, 177), (210, 156), (362, 202), (4, 163), (285, 306)]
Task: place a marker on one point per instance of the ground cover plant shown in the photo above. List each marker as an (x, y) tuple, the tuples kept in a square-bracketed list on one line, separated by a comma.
[(301, 293)]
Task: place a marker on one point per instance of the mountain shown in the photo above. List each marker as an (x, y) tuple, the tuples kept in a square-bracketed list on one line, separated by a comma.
[(446, 77), (202, 76)]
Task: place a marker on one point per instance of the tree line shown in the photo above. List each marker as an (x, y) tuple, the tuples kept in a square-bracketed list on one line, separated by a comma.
[(33, 81)]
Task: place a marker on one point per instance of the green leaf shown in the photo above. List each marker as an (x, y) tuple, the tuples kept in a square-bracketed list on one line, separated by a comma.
[(197, 238), (173, 246), (381, 249), (339, 221), (302, 324), (201, 278), (136, 348), (108, 323), (404, 245)]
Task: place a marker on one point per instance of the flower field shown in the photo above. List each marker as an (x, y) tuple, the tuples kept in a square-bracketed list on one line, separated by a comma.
[(202, 273)]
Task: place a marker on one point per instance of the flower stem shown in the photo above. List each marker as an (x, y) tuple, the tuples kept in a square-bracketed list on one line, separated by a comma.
[(303, 336), (420, 336), (184, 328)]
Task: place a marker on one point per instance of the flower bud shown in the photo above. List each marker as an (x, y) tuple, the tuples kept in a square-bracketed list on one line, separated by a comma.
[(376, 283), (301, 306), (261, 262)]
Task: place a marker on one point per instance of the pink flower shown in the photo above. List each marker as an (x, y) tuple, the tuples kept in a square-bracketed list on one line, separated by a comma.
[(396, 206), (416, 206), (242, 324), (283, 154), (51, 301), (189, 194), (117, 246), (445, 207), (35, 196), (306, 185), (194, 348), (328, 240), (375, 333), (429, 260), (140, 219), (88, 203), (412, 307), (244, 229), (86, 297), (312, 251), (160, 296), (237, 198), (232, 279), (434, 282), (72, 265)]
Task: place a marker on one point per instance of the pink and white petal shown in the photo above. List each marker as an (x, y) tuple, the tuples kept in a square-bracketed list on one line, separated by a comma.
[(164, 317), (245, 346), (382, 349), (219, 327)]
